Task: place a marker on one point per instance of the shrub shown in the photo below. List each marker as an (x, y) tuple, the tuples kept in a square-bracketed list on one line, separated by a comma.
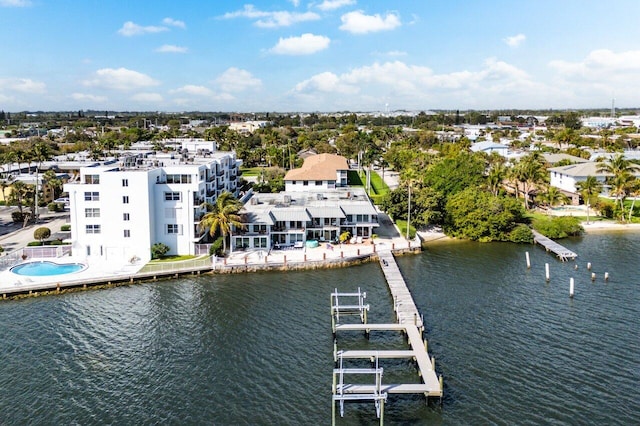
[(158, 250), (42, 233), (35, 243), (521, 234), (345, 236), (558, 227), (18, 217), (216, 247), (65, 228), (55, 207)]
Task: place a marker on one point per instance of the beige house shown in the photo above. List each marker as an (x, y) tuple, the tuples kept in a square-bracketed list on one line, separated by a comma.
[(319, 172)]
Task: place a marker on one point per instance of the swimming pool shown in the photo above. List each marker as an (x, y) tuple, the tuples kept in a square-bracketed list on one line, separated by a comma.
[(45, 268)]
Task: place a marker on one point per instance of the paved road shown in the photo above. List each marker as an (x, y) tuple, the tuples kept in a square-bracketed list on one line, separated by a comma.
[(14, 237)]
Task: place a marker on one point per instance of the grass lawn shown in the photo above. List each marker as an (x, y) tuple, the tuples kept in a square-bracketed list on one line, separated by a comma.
[(402, 225), (251, 171)]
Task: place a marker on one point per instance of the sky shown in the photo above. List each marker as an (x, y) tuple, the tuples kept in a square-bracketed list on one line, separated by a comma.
[(319, 55)]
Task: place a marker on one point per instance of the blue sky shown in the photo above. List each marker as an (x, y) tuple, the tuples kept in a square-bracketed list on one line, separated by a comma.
[(320, 55)]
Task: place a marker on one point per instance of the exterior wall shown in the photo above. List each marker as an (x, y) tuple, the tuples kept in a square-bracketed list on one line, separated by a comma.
[(110, 243), (311, 185), (568, 183)]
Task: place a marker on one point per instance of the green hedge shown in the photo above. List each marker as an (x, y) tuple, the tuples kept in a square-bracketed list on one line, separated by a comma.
[(558, 226)]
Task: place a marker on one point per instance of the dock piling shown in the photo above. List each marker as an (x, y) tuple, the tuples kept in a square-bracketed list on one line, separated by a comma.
[(526, 254), (546, 271), (571, 287), (606, 276)]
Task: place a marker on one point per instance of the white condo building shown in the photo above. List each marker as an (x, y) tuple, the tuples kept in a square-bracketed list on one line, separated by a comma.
[(119, 211)]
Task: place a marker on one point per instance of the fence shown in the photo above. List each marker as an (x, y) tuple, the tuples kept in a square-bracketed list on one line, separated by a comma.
[(201, 249), (49, 251), (179, 266)]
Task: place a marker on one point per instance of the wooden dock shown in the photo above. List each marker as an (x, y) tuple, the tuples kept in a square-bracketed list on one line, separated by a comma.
[(410, 322), (563, 253), (403, 304)]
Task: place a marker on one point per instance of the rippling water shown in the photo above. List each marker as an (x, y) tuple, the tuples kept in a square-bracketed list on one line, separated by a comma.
[(257, 349)]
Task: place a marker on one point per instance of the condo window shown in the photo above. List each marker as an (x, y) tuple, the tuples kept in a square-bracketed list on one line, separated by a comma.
[(92, 179), (178, 178), (172, 196), (173, 228), (92, 229), (125, 216), (127, 233), (92, 196), (318, 183), (125, 182), (305, 182), (125, 199), (91, 212)]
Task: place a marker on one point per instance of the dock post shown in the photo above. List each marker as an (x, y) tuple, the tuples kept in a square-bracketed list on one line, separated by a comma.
[(324, 256), (341, 255), (589, 266), (382, 412), (606, 276), (526, 254), (593, 276), (285, 259), (426, 346), (571, 287), (433, 363), (546, 271), (441, 389), (358, 252), (365, 316), (335, 351)]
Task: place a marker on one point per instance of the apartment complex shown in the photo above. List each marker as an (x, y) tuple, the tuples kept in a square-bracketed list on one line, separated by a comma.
[(119, 210), (316, 205)]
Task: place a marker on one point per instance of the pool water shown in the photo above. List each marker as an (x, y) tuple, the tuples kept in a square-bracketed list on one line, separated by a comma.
[(40, 269)]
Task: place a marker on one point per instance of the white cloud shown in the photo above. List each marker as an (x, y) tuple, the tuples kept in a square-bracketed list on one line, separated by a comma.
[(147, 97), (601, 63), (171, 48), (87, 97), (194, 90), (306, 44), (22, 85), (120, 79), (271, 19), (358, 23), (515, 41), (328, 5), (15, 3), (237, 80), (295, 3), (494, 84), (174, 23), (130, 29)]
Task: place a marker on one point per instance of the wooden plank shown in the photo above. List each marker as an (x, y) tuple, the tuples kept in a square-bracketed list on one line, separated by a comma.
[(378, 327), (388, 388), (383, 354)]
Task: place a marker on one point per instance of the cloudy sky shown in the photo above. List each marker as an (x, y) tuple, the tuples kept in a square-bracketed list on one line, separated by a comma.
[(320, 55)]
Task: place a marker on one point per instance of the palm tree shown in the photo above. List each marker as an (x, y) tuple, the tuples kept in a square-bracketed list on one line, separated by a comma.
[(496, 175), (531, 172), (589, 188), (221, 216), (621, 176), (552, 196)]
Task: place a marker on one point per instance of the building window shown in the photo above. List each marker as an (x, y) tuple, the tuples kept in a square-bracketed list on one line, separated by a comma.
[(125, 199), (178, 178), (92, 196), (92, 179), (173, 228), (125, 182), (125, 216), (172, 196), (305, 182), (127, 233), (93, 229), (91, 212), (318, 183)]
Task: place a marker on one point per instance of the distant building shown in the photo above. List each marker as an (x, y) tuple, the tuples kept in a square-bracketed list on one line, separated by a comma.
[(489, 147), (248, 126)]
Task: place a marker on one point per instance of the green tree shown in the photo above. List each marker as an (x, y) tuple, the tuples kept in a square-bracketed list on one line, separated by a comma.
[(222, 216), (480, 216), (621, 176), (532, 173), (588, 189), (552, 197), (42, 234)]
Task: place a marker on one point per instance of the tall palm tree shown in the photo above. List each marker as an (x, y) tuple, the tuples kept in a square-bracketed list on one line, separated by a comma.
[(589, 188), (221, 216), (531, 172), (496, 175)]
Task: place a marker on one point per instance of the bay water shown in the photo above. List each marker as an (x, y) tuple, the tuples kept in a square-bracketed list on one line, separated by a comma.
[(256, 349)]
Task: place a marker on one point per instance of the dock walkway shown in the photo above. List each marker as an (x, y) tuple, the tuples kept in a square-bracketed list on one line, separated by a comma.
[(409, 322), (563, 253)]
